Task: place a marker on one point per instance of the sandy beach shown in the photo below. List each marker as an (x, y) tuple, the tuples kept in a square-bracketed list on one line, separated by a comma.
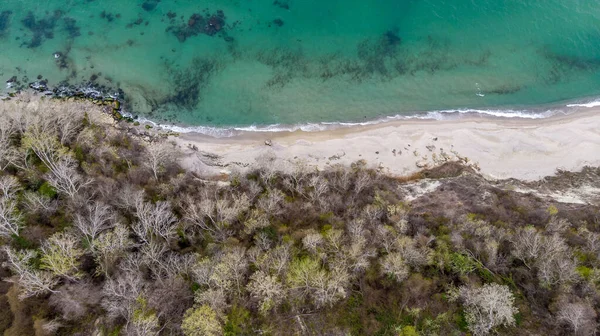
[(501, 148)]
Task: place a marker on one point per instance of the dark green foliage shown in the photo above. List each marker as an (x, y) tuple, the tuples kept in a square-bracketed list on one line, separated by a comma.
[(238, 322), (22, 242), (47, 190)]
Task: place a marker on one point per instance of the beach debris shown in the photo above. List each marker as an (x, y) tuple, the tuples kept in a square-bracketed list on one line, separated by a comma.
[(268, 142), (394, 151), (435, 139), (431, 148), (415, 153), (377, 152)]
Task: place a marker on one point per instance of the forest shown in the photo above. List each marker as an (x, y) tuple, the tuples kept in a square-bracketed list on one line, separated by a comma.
[(103, 233)]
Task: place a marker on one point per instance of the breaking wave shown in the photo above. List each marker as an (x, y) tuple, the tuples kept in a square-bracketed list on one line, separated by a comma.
[(452, 114)]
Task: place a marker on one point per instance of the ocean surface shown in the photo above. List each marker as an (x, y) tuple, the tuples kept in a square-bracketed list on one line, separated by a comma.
[(224, 63)]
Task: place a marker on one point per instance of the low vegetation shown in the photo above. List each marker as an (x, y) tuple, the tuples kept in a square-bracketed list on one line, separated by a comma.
[(104, 234)]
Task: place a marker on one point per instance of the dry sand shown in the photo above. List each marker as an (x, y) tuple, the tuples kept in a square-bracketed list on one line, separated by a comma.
[(502, 148)]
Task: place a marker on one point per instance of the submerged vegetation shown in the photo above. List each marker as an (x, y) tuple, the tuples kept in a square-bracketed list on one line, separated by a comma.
[(103, 233)]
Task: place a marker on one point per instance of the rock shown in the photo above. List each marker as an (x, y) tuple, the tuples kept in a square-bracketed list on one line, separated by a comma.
[(118, 116), (422, 164)]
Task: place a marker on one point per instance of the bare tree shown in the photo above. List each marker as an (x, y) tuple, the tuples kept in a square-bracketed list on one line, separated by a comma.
[(215, 215), (275, 260), (60, 255), (154, 220), (8, 130), (75, 300), (69, 123), (266, 165), (32, 281), (11, 221), (215, 298), (295, 178), (267, 290), (124, 296), (528, 245), (312, 241), (342, 179), (9, 186), (256, 220), (270, 202), (38, 203), (64, 177), (363, 181), (232, 266), (109, 247), (318, 187), (488, 307), (331, 287), (94, 218), (395, 266), (159, 156), (581, 317)]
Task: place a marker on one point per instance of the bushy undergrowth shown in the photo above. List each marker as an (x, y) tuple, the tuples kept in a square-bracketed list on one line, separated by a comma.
[(104, 233)]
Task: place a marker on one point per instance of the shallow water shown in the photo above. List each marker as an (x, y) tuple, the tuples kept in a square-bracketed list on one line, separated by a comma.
[(300, 61)]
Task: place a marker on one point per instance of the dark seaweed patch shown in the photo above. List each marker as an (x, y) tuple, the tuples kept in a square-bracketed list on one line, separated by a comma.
[(4, 21), (150, 5), (378, 57), (108, 16), (188, 83), (278, 22), (281, 4), (504, 90), (563, 66), (286, 65), (198, 24), (71, 27), (40, 28)]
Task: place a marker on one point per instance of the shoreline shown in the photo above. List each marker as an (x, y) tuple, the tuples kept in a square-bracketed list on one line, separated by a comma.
[(527, 149), (500, 148)]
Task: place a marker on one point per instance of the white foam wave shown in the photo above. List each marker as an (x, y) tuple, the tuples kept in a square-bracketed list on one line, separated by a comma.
[(223, 132), (593, 103)]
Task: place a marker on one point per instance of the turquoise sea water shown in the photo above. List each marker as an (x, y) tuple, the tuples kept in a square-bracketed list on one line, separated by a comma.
[(234, 62)]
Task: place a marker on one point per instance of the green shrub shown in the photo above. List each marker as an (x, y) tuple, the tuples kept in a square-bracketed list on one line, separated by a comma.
[(462, 264)]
